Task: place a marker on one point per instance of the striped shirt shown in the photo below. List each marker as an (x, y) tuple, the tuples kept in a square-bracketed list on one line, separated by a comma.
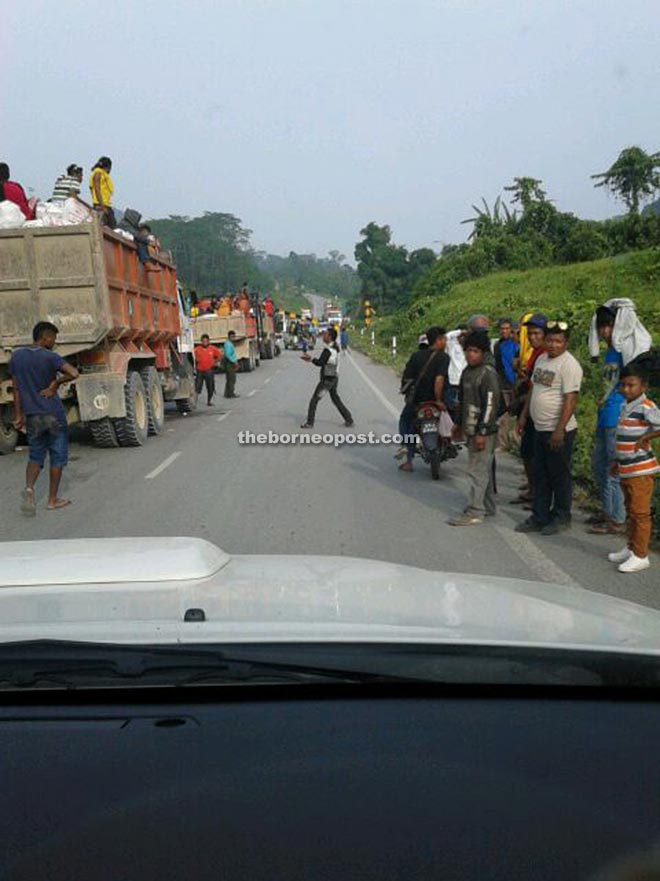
[(63, 186), (637, 418)]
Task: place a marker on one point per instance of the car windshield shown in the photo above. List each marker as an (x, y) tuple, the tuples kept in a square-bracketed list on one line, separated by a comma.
[(330, 325)]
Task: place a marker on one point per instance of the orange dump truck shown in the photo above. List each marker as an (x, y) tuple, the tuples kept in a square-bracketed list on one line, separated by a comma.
[(124, 329)]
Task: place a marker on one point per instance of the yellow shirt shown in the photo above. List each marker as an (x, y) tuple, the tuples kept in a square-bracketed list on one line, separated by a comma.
[(105, 186)]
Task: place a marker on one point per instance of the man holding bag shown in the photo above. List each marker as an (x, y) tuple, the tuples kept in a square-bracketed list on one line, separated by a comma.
[(423, 379)]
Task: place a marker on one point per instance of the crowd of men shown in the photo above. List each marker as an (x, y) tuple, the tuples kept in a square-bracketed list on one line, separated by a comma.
[(528, 378)]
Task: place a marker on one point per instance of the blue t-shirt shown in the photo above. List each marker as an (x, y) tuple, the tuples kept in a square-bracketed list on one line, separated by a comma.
[(230, 352), (33, 370), (610, 404)]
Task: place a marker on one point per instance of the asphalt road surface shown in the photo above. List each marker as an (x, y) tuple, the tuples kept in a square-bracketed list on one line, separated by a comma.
[(195, 479)]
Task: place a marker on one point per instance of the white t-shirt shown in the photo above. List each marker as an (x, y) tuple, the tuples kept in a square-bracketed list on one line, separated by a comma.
[(552, 379)]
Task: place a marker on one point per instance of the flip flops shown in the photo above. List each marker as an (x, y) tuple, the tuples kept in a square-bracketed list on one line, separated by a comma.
[(59, 503)]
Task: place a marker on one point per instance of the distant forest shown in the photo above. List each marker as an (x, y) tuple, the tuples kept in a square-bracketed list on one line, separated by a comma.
[(214, 255)]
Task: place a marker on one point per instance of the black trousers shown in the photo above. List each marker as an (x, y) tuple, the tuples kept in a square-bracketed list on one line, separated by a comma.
[(330, 386), (230, 380), (553, 480), (205, 378)]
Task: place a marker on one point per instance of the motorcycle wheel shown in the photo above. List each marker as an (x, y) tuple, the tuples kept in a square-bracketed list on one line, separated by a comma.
[(434, 459)]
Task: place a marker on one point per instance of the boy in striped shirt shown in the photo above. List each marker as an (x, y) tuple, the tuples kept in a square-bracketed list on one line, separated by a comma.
[(639, 423)]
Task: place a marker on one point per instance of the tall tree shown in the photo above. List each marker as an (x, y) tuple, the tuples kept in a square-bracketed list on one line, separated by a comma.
[(632, 178), (526, 191)]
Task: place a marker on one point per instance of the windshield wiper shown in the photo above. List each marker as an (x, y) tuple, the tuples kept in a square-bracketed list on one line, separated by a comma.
[(78, 664)]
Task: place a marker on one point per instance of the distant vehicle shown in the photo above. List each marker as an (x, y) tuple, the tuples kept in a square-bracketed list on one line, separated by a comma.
[(334, 317)]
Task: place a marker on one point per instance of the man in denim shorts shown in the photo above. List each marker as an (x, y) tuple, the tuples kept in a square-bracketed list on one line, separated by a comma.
[(38, 372)]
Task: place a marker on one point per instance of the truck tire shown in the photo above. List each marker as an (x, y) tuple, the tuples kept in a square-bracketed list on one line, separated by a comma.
[(246, 365), (133, 429), (103, 433), (269, 354), (8, 434), (155, 400)]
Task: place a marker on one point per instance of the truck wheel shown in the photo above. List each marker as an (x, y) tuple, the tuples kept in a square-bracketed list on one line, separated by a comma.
[(133, 429), (269, 351), (155, 400), (8, 434), (103, 433), (246, 365)]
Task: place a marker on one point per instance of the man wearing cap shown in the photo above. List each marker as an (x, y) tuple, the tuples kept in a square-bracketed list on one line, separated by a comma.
[(556, 383), (67, 184), (535, 330)]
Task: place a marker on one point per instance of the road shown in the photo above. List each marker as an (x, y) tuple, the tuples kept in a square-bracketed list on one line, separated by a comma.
[(196, 479)]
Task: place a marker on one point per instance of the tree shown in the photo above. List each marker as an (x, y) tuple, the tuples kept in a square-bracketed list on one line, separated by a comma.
[(526, 191), (387, 271), (632, 178)]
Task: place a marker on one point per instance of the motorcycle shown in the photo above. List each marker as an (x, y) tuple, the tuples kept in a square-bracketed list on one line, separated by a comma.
[(433, 446)]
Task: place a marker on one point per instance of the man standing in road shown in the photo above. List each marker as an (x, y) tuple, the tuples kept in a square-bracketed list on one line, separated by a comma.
[(206, 358), (424, 379), (556, 382), (613, 517), (506, 351), (38, 373), (478, 407), (231, 365), (328, 361)]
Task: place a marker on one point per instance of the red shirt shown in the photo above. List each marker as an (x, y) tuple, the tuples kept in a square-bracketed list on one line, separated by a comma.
[(205, 357), (15, 193)]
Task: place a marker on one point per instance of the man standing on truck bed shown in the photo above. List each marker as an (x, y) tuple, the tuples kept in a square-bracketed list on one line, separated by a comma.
[(206, 358), (38, 372), (102, 188), (231, 365)]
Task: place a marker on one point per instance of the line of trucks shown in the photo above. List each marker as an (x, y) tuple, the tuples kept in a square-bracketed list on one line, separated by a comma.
[(123, 328)]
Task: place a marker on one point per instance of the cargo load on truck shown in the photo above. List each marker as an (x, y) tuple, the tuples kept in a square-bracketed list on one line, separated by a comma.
[(124, 329), (254, 329)]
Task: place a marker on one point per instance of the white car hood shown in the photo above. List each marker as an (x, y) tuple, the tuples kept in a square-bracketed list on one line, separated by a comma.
[(138, 590)]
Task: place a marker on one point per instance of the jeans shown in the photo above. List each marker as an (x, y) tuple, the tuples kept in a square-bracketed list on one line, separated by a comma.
[(407, 426), (481, 495), (330, 386), (553, 481), (205, 378), (638, 492), (611, 496), (47, 435)]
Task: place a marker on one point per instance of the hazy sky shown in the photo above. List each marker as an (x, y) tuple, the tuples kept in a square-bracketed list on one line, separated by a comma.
[(309, 118)]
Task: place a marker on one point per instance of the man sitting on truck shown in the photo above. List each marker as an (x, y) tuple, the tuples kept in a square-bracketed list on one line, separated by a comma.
[(231, 365), (206, 358), (38, 372)]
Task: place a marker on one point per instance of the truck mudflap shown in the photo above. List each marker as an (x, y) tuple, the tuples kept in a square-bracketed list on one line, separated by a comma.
[(100, 395)]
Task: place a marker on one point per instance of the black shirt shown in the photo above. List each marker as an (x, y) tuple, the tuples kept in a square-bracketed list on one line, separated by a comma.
[(439, 367)]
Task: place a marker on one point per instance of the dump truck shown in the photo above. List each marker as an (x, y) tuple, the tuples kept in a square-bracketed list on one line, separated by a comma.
[(123, 328), (255, 334)]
